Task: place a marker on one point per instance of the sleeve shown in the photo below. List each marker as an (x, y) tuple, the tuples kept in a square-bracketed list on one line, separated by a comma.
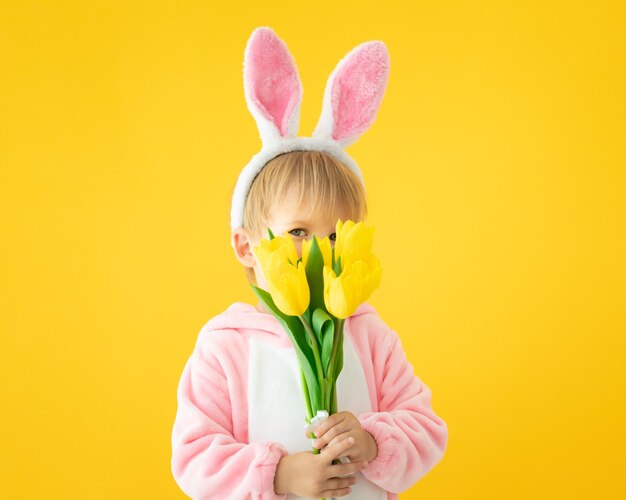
[(207, 461), (411, 438)]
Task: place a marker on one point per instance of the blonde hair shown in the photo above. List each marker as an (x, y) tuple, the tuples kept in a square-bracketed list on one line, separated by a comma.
[(319, 179)]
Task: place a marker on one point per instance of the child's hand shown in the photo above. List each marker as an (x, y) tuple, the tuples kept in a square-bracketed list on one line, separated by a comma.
[(308, 475), (341, 425)]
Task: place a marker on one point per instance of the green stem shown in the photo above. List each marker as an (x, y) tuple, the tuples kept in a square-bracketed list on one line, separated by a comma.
[(333, 398), (305, 390), (318, 364), (333, 355), (316, 354), (308, 409)]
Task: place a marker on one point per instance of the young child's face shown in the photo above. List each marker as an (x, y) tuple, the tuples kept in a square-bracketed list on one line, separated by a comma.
[(298, 223)]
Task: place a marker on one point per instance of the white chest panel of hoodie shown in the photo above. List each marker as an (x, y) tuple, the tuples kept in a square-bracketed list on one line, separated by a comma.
[(276, 407)]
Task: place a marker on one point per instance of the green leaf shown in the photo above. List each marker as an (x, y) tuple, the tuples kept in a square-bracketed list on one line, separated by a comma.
[(324, 328), (309, 341), (304, 352), (339, 360), (338, 366), (270, 233), (333, 400), (315, 275), (337, 266), (332, 395), (314, 391), (307, 398), (307, 316)]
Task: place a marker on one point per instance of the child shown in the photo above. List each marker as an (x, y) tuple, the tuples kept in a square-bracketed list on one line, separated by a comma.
[(239, 429)]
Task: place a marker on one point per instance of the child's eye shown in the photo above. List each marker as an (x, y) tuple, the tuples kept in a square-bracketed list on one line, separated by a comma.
[(333, 237), (298, 233)]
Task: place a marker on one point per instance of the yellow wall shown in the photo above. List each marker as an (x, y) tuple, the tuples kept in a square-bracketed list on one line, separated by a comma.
[(495, 175)]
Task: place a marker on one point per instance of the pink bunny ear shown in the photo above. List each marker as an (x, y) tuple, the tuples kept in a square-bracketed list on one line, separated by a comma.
[(353, 93), (272, 85)]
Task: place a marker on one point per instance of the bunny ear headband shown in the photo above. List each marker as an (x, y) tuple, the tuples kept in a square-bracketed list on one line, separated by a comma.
[(273, 94)]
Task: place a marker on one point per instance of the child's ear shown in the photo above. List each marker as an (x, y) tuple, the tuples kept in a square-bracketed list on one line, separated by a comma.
[(242, 245)]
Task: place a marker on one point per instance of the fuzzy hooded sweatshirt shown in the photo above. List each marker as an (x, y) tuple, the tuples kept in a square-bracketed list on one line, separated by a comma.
[(241, 408)]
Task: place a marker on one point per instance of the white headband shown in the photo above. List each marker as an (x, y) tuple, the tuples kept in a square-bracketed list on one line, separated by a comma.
[(273, 94)]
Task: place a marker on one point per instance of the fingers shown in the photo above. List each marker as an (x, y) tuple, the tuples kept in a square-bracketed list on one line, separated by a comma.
[(336, 493), (328, 436), (341, 470), (337, 450), (338, 487), (331, 421)]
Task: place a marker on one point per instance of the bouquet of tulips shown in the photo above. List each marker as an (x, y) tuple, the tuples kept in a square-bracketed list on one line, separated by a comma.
[(312, 296)]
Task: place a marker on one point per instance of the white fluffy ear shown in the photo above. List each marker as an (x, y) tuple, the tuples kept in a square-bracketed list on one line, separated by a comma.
[(272, 86), (353, 93)]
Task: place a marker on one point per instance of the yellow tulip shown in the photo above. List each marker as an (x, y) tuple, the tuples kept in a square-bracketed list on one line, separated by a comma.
[(358, 279), (341, 295), (354, 241), (325, 247), (289, 288), (286, 278), (283, 245), (371, 273)]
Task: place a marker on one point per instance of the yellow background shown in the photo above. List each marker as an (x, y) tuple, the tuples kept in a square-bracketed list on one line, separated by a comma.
[(495, 176)]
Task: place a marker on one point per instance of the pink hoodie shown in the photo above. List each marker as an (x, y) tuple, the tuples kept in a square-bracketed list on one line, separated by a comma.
[(240, 408)]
